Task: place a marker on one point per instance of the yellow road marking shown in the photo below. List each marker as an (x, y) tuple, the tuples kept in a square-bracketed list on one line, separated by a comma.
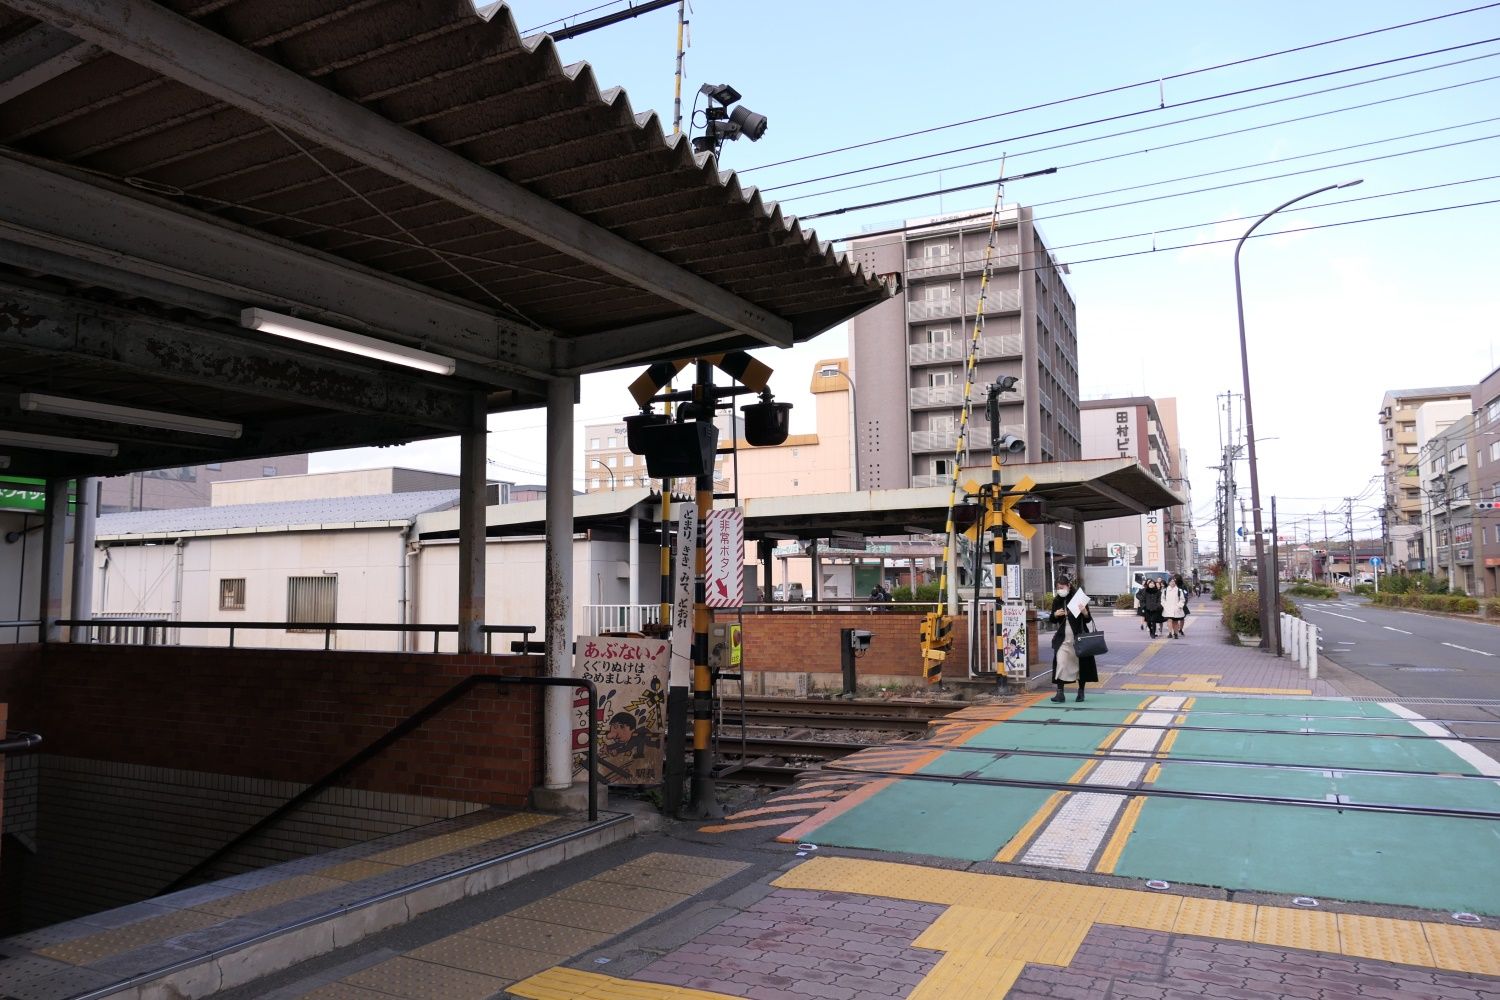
[(1123, 829), (1023, 836), (752, 824)]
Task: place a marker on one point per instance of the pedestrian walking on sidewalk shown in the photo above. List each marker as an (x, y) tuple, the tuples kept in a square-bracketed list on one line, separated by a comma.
[(1150, 598), (1174, 606), (1067, 665)]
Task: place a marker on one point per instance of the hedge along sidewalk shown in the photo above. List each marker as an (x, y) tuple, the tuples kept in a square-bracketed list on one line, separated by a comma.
[(1485, 610)]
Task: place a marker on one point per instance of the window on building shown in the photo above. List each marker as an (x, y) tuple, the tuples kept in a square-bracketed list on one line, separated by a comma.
[(614, 442), (268, 470), (611, 461), (938, 379), (629, 481), (1492, 409), (1495, 452), (311, 600), (629, 461), (593, 444), (232, 594), (1408, 427), (1409, 449), (593, 484), (1390, 435), (942, 466), (937, 250), (936, 293), (939, 335)]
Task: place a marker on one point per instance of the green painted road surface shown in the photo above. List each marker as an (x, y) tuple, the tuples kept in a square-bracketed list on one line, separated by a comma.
[(1433, 862)]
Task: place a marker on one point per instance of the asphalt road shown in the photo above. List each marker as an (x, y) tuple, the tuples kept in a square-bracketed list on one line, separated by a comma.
[(1410, 654)]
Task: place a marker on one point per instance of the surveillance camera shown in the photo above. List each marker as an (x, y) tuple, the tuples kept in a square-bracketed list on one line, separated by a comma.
[(1012, 445)]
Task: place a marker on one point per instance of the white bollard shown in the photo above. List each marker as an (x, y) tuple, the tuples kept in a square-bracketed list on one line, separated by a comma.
[(1295, 642), (1312, 652)]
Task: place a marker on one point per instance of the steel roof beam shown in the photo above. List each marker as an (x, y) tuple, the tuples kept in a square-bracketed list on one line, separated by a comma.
[(149, 34), (141, 247), (37, 55), (1110, 493), (657, 340), (135, 345)]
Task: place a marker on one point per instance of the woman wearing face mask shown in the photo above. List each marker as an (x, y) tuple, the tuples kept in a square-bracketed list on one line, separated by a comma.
[(1067, 665)]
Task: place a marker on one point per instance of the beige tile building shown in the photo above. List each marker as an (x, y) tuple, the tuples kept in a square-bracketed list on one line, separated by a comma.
[(1408, 420)]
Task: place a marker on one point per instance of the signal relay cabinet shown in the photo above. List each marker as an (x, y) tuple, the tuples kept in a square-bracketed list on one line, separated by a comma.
[(724, 649)]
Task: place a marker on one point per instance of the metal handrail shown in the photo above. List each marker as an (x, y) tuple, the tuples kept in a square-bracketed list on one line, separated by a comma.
[(399, 731), (20, 743), (327, 628)]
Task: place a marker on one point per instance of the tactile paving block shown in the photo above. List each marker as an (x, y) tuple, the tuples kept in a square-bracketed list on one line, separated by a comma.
[(1000, 892), (117, 940), (630, 897), (297, 887), (968, 977), (1045, 940), (579, 913), (356, 871), (573, 984), (491, 958), (1147, 911), (1309, 930), (1216, 918), (497, 828), (655, 878), (1075, 902), (965, 929), (1400, 941), (1464, 949), (408, 977), (538, 935), (342, 991), (689, 863)]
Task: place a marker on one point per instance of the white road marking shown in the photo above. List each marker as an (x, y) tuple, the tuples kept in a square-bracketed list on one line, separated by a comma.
[(1401, 630), (1466, 649), (1487, 766), (1337, 615)]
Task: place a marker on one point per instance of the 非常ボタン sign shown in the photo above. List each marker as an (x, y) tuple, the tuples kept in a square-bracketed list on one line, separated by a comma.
[(724, 558)]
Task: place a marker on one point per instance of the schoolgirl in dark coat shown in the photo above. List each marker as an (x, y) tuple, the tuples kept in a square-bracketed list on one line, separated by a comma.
[(1067, 665), (1150, 598)]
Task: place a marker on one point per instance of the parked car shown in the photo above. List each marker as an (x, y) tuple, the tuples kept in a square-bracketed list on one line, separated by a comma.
[(788, 592)]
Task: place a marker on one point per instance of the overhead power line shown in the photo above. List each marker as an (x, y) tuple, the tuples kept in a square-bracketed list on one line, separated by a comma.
[(1131, 86), (1147, 128), (1174, 180)]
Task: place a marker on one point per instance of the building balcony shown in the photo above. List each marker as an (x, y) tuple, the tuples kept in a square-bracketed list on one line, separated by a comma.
[(996, 301), (1406, 437), (990, 348), (919, 482), (936, 396), (932, 267), (944, 441)]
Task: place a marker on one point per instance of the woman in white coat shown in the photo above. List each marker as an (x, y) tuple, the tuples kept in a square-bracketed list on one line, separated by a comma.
[(1174, 606)]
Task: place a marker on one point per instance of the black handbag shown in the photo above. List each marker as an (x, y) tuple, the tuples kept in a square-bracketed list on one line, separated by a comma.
[(1091, 643)]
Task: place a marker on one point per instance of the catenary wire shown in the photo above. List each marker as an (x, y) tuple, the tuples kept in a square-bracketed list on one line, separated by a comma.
[(1150, 184), (1147, 128), (1131, 86)]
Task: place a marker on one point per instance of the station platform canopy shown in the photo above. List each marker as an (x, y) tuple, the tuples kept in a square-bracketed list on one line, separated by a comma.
[(411, 176), (1089, 490)]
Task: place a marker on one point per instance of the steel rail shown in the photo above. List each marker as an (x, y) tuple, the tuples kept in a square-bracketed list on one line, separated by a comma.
[(1061, 723), (813, 720), (1137, 788), (1268, 715), (855, 706), (1152, 758)]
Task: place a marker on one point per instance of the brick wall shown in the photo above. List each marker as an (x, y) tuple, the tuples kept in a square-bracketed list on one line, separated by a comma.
[(283, 715), (808, 643)]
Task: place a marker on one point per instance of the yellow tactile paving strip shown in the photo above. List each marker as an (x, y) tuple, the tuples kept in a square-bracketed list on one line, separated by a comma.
[(572, 984), (96, 947), (1124, 828), (969, 977), (1206, 683), (988, 916), (1017, 843), (532, 939)]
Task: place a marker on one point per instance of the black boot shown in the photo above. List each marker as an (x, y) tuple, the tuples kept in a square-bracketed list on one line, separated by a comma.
[(1080, 692), (1059, 696)]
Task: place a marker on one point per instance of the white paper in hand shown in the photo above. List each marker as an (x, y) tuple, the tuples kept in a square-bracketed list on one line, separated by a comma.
[(1077, 602)]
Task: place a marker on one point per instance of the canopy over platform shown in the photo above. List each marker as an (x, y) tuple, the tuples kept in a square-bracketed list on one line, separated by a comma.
[(407, 172)]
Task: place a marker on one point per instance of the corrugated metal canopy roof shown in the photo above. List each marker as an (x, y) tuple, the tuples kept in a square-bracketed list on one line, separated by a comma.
[(401, 168)]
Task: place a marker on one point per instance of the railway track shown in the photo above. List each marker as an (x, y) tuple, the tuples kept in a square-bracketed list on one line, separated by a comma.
[(908, 716)]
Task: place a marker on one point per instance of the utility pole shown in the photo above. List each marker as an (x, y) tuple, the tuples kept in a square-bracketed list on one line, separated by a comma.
[(1326, 554), (1353, 559), (1275, 580)]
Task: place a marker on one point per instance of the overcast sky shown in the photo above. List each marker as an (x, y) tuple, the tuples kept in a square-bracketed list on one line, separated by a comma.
[(1335, 316)]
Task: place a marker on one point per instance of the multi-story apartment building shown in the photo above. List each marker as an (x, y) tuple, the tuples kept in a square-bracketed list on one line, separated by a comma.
[(1408, 417), (1486, 400), (1144, 429), (910, 353), (1447, 467), (820, 462)]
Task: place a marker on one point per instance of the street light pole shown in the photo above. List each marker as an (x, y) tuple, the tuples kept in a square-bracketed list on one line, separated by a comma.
[(1265, 594), (611, 472), (829, 372)]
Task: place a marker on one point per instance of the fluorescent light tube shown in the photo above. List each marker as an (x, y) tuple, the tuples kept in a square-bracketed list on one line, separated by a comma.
[(4, 461), (342, 340), (90, 410), (50, 442)]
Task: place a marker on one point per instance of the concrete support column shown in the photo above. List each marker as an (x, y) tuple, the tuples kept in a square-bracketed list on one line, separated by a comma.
[(54, 546), (558, 763), (86, 508), (471, 530), (1078, 550), (633, 619)]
